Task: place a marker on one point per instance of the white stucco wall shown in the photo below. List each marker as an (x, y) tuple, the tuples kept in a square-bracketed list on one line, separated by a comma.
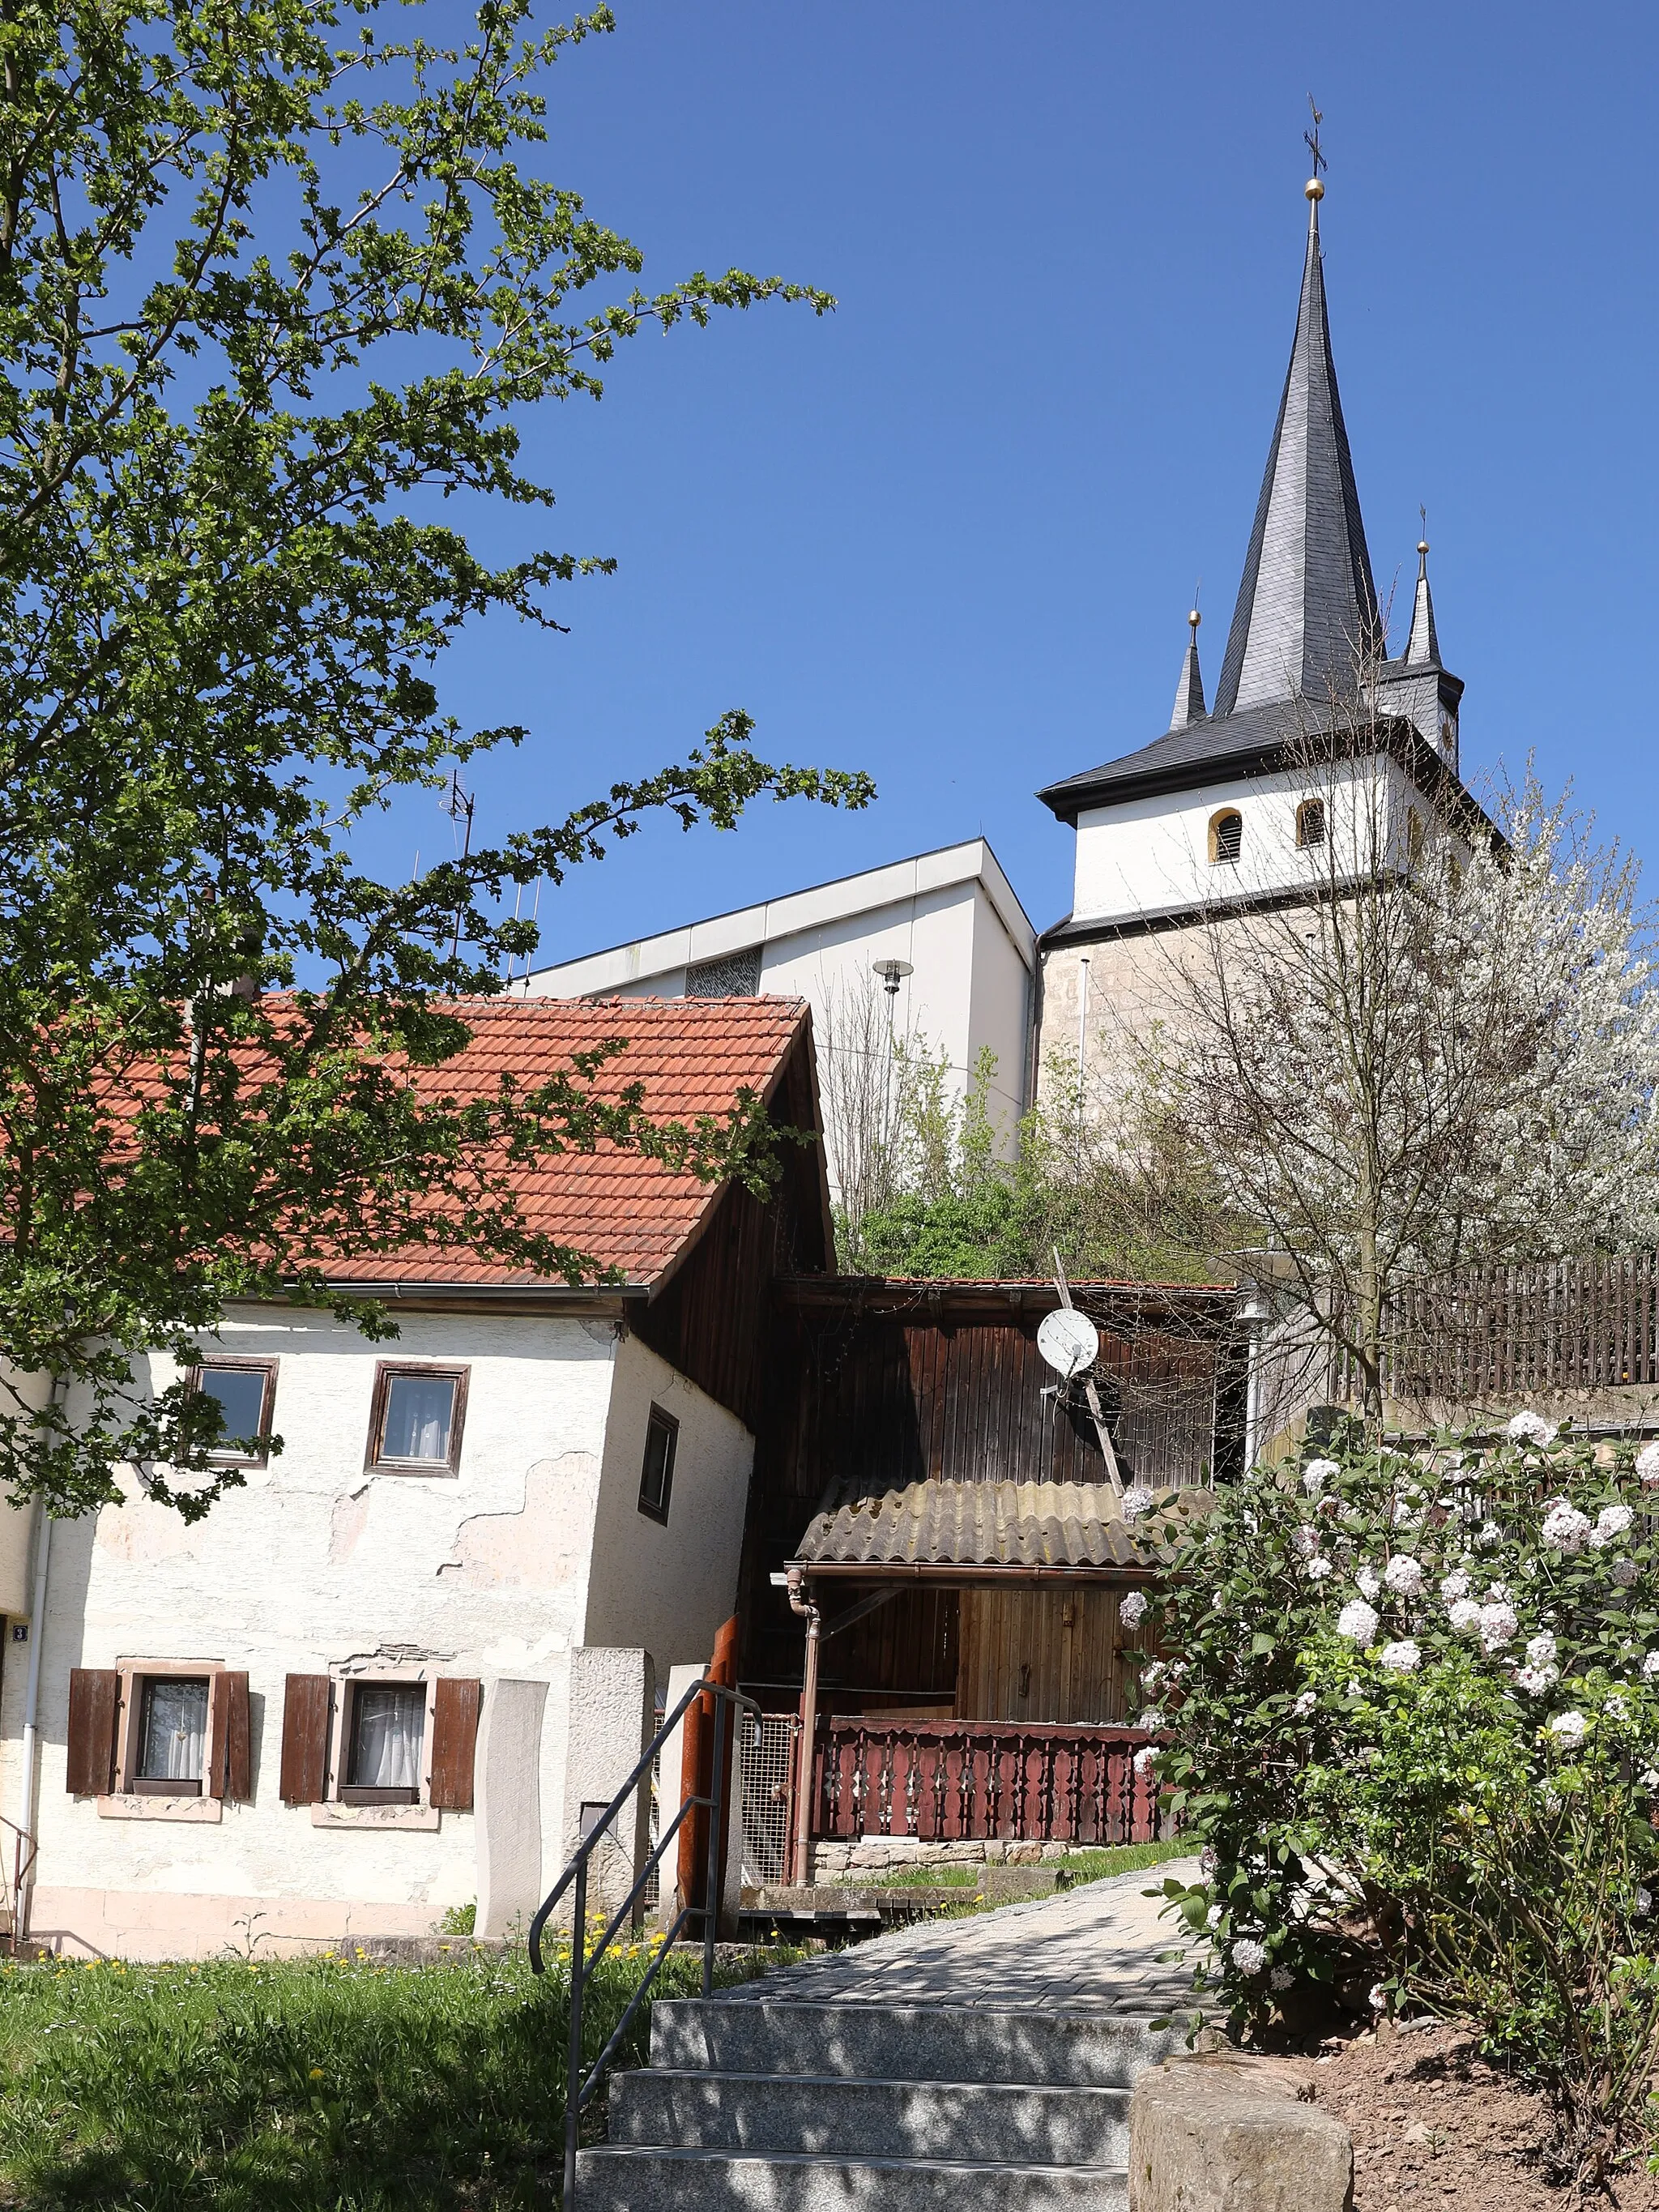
[(314, 1564), (951, 915), (666, 1588), (1148, 855)]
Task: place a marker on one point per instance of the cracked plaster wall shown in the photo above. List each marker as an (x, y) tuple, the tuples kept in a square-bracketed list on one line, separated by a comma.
[(313, 1564)]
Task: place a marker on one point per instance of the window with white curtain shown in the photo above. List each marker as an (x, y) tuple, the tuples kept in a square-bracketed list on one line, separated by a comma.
[(386, 1735), (172, 1735), (416, 1423)]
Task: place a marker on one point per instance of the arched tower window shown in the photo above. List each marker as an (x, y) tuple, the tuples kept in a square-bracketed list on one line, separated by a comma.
[(1311, 822), (1226, 835)]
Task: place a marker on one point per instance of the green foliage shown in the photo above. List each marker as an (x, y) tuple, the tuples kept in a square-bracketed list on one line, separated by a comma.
[(1414, 1727), (460, 1919), (300, 2086), (963, 1208), (274, 292)]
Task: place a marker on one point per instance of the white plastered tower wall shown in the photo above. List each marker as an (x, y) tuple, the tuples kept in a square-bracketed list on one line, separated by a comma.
[(497, 1572), (1153, 914), (950, 916)]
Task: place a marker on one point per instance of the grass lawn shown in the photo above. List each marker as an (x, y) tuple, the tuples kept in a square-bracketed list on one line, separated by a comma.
[(315, 2085), (1075, 1866)]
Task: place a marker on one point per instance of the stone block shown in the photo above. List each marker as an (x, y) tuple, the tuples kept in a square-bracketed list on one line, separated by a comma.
[(1227, 2133)]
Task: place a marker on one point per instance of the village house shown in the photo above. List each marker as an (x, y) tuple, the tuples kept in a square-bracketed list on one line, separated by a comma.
[(396, 1671), (938, 1554)]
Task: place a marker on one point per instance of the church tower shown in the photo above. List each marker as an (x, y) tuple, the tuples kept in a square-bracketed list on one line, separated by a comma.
[(1225, 813)]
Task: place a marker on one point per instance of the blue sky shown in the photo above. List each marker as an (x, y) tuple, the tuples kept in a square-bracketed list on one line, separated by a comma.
[(949, 534)]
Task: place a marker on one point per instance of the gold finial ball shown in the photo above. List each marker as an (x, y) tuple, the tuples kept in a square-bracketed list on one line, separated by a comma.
[(1422, 544), (1314, 189), (1194, 618)]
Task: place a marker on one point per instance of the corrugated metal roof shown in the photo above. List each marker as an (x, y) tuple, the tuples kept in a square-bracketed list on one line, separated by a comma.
[(974, 1524)]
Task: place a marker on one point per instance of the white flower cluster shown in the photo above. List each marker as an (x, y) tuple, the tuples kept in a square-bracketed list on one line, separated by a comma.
[(1540, 1673), (1569, 1728), (1317, 1473), (1137, 1502), (1611, 1523), (1401, 1658), (1458, 1583), (1464, 1614), (1281, 1978), (1647, 1465), (1153, 1676), (1304, 1542), (1566, 1529), (1531, 1428), (1624, 1572), (1358, 1621), (1369, 1582), (1150, 1718), (1304, 1704), (1489, 1535), (1651, 1667), (1133, 1609), (1144, 1759), (1248, 1957), (1499, 1624), (1404, 1575), (1318, 1569)]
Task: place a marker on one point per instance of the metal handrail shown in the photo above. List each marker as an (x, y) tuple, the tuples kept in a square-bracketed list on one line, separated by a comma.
[(584, 1961)]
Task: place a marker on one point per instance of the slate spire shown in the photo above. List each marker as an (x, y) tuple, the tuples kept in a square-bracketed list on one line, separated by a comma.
[(1306, 602), (1189, 692), (1422, 645)]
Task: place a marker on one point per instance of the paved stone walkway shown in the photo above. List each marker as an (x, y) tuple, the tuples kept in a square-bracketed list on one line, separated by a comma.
[(1093, 1950)]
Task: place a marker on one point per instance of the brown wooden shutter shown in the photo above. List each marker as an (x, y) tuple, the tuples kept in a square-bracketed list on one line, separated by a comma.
[(95, 1707), (455, 1740), (228, 1727), (305, 1738)]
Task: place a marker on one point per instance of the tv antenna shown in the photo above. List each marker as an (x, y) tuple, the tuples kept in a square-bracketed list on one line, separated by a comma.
[(458, 807)]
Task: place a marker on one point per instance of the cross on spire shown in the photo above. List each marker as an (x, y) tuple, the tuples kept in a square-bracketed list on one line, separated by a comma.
[(1310, 140)]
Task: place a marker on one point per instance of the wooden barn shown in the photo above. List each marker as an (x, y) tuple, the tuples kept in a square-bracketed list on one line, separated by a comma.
[(937, 1555)]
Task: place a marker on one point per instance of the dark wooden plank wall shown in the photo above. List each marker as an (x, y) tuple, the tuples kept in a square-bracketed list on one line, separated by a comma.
[(713, 1319), (902, 1654), (1044, 1654), (927, 1392)]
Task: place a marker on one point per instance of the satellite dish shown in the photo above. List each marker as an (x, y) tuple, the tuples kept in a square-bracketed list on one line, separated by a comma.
[(1069, 1340)]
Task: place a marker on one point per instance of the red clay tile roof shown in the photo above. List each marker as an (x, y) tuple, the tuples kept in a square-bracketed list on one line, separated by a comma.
[(692, 1055)]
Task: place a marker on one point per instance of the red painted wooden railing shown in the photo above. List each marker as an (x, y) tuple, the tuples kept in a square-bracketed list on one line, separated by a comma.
[(977, 1780)]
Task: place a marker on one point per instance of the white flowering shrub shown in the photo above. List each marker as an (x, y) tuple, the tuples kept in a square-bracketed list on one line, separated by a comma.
[(1430, 1771)]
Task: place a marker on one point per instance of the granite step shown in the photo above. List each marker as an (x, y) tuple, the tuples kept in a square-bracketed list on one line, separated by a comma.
[(906, 2043), (830, 2114), (621, 2177)]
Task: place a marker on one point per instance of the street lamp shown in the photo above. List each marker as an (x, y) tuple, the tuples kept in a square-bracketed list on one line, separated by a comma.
[(892, 974)]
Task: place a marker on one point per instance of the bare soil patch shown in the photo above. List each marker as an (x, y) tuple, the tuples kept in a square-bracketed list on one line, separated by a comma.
[(1434, 2125)]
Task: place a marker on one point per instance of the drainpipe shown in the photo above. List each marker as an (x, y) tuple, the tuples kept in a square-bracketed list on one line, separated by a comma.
[(1255, 1313), (803, 1605), (25, 1892)]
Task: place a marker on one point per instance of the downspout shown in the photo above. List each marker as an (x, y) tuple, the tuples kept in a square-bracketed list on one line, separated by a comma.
[(1254, 1313), (803, 1605), (25, 1870)]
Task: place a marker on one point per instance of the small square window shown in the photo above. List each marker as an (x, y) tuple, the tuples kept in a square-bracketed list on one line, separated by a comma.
[(386, 1737), (172, 1742), (245, 1390), (415, 1424), (662, 1434)]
